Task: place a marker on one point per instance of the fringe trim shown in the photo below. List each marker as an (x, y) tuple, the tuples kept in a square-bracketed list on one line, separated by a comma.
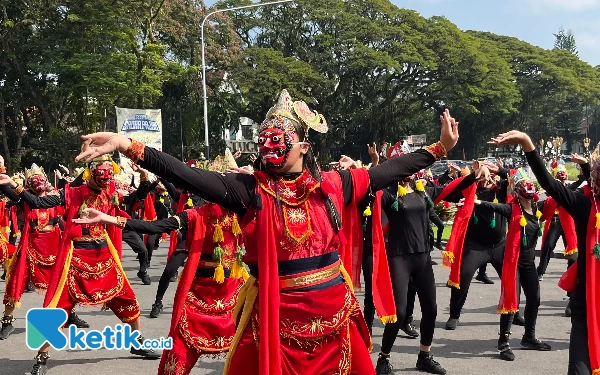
[(570, 252), (506, 311), (389, 319), (448, 256), (453, 284), (11, 302), (596, 371)]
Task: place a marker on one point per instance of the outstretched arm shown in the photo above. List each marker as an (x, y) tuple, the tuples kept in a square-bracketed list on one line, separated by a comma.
[(33, 201)]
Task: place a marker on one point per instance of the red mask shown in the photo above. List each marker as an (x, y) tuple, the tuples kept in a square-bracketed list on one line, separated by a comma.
[(562, 175), (38, 184), (274, 146), (526, 190), (103, 175)]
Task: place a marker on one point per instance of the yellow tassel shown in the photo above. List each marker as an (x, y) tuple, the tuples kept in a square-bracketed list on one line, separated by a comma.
[(448, 255), (86, 174), (597, 220), (245, 274), (538, 214), (219, 274), (235, 227), (496, 200), (555, 212), (218, 235), (189, 202), (475, 197), (570, 252), (389, 319), (523, 221), (419, 186), (504, 311), (236, 270), (162, 200), (453, 284), (401, 191), (367, 211)]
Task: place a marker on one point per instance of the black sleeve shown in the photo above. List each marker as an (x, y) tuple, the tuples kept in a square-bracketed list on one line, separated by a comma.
[(233, 191), (171, 189), (140, 194), (445, 178), (586, 171), (502, 191), (10, 193), (387, 198), (346, 186), (503, 173), (78, 181), (394, 170), (435, 219), (575, 185), (503, 209), (158, 226), (48, 201), (562, 194), (61, 183)]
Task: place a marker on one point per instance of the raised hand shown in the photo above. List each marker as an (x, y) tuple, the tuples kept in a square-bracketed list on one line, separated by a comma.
[(6, 180), (514, 137), (91, 216), (372, 149), (98, 144), (239, 170), (578, 159), (449, 132), (500, 162), (493, 168), (483, 173), (346, 162), (65, 169), (237, 154)]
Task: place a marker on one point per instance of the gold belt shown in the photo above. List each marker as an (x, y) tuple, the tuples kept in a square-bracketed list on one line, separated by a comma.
[(310, 278), (210, 264), (47, 228), (88, 239)]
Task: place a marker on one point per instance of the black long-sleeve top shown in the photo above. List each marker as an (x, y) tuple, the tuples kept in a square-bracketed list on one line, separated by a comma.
[(176, 222), (409, 226), (575, 203), (235, 191), (48, 201), (527, 253), (435, 219)]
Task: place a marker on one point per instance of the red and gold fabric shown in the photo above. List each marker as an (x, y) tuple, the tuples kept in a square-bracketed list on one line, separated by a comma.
[(285, 344), (4, 218), (383, 296), (202, 320), (35, 256), (452, 256), (566, 221), (92, 277), (6, 251)]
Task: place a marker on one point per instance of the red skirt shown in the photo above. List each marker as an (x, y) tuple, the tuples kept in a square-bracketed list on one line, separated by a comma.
[(323, 332), (206, 322), (6, 250), (41, 256)]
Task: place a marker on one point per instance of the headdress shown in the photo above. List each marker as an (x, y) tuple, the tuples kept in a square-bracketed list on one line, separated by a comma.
[(298, 111), (557, 167), (34, 171), (520, 175), (97, 161)]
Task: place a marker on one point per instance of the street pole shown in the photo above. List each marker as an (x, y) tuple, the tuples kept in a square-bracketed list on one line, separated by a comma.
[(206, 146)]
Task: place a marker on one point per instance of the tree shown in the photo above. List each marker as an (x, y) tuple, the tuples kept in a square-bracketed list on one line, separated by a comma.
[(565, 40)]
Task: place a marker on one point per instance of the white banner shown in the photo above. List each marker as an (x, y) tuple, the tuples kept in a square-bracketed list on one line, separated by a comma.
[(143, 125)]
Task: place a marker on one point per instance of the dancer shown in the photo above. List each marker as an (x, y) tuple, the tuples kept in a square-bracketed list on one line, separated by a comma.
[(35, 257), (85, 249), (202, 319), (581, 279), (519, 263), (292, 223), (407, 208)]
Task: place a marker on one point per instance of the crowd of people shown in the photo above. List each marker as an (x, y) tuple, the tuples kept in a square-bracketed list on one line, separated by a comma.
[(272, 253)]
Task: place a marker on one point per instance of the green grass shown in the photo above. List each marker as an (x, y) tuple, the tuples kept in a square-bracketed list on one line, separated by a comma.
[(446, 233), (572, 171)]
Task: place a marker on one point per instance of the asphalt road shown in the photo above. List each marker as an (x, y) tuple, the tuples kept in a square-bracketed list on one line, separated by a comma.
[(468, 350)]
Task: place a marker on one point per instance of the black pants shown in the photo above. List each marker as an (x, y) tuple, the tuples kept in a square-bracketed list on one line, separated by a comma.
[(152, 242), (528, 281), (554, 233), (402, 268), (134, 240), (369, 309), (579, 358), (12, 239), (176, 260), (474, 256)]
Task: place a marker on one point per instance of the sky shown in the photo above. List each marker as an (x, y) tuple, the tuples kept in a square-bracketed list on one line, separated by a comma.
[(533, 21)]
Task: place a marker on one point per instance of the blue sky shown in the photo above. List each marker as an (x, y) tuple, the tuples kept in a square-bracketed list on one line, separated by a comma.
[(533, 21)]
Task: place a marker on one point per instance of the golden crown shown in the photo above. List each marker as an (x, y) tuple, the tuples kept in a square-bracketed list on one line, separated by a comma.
[(34, 171), (298, 111)]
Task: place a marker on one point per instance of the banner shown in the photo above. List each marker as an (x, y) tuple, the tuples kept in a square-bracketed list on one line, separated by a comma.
[(143, 125)]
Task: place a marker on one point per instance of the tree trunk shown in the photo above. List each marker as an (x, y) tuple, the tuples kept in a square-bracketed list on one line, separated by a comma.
[(7, 159)]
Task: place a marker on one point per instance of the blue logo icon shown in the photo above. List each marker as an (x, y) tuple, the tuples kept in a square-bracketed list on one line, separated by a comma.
[(45, 326)]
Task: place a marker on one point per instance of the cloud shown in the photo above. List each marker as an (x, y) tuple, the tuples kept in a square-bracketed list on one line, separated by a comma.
[(568, 5)]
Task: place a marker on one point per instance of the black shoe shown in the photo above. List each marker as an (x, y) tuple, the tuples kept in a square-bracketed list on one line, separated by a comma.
[(518, 320), (144, 277), (438, 245), (451, 324), (434, 263), (3, 277), (410, 330), (568, 310), (7, 327), (174, 277), (40, 367), (506, 352), (534, 344), (384, 367), (428, 364), (483, 277), (157, 309), (145, 353), (29, 288), (76, 321)]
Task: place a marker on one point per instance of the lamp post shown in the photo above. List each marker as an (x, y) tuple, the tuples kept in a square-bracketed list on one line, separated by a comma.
[(586, 144), (206, 148)]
